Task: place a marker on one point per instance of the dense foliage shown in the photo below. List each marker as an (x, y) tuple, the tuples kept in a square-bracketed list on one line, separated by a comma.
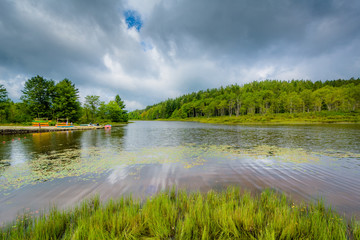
[(96, 110), (37, 95), (44, 98), (66, 102), (178, 215), (3, 102), (270, 96)]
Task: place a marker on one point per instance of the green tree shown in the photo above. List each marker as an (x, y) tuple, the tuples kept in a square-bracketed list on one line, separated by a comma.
[(119, 102), (307, 99), (66, 102), (270, 96), (124, 115), (320, 96), (114, 111), (18, 113), (91, 105), (4, 103), (3, 94), (136, 114), (102, 111), (37, 95)]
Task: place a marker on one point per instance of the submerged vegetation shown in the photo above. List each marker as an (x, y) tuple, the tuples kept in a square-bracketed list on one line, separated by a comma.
[(61, 164), (178, 215), (263, 101)]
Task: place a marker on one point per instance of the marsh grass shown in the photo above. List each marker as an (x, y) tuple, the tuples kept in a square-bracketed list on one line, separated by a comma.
[(179, 215), (281, 118)]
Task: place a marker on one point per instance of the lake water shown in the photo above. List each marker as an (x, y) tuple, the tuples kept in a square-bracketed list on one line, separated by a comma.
[(307, 162)]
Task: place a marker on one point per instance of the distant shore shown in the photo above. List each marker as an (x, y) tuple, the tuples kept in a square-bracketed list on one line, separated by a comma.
[(283, 118)]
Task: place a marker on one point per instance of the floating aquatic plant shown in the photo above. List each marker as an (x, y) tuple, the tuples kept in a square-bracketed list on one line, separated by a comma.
[(94, 160)]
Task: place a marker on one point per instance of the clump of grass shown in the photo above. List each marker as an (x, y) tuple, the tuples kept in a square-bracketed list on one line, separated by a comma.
[(355, 229), (178, 215), (282, 118)]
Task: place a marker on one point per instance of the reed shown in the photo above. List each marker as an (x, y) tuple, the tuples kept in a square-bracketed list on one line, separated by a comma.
[(178, 215)]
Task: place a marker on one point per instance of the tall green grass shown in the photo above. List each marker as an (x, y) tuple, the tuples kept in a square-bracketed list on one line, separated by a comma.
[(178, 215), (282, 118)]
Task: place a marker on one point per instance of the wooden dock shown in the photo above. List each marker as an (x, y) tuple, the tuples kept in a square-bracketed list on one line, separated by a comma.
[(6, 130)]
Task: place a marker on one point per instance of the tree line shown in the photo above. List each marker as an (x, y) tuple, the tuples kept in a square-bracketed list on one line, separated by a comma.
[(265, 97), (43, 98)]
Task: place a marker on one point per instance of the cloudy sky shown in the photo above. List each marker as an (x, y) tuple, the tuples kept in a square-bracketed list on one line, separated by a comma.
[(150, 50)]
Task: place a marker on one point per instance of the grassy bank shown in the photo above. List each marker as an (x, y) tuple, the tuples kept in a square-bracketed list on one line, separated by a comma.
[(281, 118), (171, 215)]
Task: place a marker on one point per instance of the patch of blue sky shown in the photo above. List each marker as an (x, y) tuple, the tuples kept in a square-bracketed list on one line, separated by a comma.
[(146, 46), (133, 19)]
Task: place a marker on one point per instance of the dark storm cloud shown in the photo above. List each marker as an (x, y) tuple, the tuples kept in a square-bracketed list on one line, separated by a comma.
[(246, 28), (54, 36), (58, 39), (257, 40), (174, 47)]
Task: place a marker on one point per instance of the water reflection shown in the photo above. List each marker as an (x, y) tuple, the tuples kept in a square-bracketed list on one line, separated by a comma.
[(144, 157)]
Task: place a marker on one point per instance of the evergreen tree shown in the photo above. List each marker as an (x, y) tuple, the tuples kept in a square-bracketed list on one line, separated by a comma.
[(119, 101), (123, 114), (4, 103), (3, 94), (66, 102), (37, 96)]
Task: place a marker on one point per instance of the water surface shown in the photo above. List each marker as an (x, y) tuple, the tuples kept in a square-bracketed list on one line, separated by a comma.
[(307, 162)]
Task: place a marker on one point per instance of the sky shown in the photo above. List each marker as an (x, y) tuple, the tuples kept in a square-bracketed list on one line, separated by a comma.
[(150, 50)]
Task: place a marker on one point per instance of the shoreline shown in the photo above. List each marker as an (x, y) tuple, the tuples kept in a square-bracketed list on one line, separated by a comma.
[(286, 122), (211, 121), (275, 119), (10, 130)]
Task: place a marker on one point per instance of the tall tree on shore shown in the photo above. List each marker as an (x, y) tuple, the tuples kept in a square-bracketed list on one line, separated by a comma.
[(115, 113), (119, 101), (66, 102), (3, 94), (37, 95), (91, 105), (123, 116), (4, 102)]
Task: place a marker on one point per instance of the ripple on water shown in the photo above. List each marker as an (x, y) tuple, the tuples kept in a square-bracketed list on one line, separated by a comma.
[(303, 174)]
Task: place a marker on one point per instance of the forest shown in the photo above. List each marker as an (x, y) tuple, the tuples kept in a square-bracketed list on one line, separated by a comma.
[(260, 98), (46, 99)]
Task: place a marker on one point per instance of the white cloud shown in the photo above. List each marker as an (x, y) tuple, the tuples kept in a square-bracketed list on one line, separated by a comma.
[(14, 85), (133, 105)]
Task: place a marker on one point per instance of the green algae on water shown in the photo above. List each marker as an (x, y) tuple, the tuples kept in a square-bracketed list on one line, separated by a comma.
[(81, 162)]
